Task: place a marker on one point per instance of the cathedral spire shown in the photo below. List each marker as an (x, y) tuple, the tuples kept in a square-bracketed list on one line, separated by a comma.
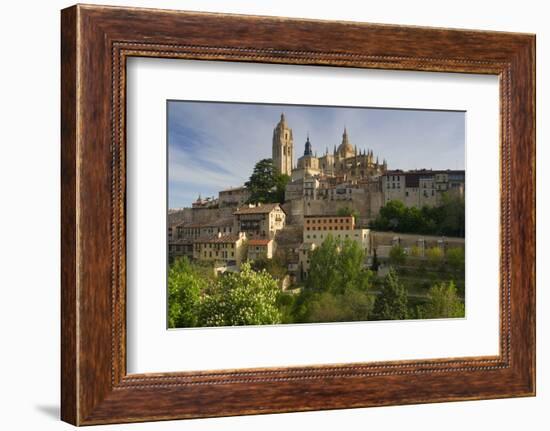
[(282, 147), (345, 149), (308, 150)]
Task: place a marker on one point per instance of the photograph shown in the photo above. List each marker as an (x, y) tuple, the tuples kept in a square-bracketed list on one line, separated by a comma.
[(292, 214)]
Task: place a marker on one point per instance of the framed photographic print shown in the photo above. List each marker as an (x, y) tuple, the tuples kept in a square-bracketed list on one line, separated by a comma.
[(267, 215)]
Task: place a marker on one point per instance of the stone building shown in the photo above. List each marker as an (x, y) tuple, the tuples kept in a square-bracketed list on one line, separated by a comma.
[(233, 197), (196, 230), (283, 147), (422, 187), (182, 235), (261, 248), (261, 220), (346, 162), (328, 222), (227, 250), (179, 247), (208, 202)]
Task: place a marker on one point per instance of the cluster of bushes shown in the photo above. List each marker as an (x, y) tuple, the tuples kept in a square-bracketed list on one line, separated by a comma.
[(446, 219), (454, 257), (197, 298)]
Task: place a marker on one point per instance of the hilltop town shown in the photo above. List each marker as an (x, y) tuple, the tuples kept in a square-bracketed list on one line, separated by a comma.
[(347, 193)]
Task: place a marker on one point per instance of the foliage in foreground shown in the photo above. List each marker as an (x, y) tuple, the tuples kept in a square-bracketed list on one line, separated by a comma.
[(443, 302), (340, 290), (185, 285), (244, 298), (391, 304)]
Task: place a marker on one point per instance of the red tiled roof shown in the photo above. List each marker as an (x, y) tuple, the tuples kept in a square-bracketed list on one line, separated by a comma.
[(259, 241)]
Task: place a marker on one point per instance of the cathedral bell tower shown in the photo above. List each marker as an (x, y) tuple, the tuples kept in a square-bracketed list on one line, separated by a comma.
[(283, 147)]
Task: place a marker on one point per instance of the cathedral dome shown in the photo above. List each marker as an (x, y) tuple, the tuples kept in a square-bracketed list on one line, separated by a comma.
[(345, 149)]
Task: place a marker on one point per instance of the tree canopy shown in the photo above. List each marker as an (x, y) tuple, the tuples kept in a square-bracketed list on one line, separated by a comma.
[(241, 298), (266, 184), (185, 285), (397, 255), (446, 219), (338, 284), (443, 302), (346, 212), (391, 304), (244, 298), (338, 266)]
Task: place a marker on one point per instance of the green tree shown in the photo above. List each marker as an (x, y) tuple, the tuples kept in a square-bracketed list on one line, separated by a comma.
[(243, 298), (338, 266), (276, 267), (398, 255), (323, 273), (185, 285), (350, 266), (448, 218), (455, 258), (349, 306), (416, 251), (266, 184), (281, 180), (346, 212), (391, 304), (443, 302), (453, 218), (434, 254), (390, 216)]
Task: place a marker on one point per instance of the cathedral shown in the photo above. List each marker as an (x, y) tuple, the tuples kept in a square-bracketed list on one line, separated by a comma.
[(346, 162)]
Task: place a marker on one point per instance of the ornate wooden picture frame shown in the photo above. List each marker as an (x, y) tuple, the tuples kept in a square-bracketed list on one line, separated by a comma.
[(96, 41)]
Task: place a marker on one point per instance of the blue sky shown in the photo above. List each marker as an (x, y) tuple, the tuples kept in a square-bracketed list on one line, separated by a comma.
[(212, 146)]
